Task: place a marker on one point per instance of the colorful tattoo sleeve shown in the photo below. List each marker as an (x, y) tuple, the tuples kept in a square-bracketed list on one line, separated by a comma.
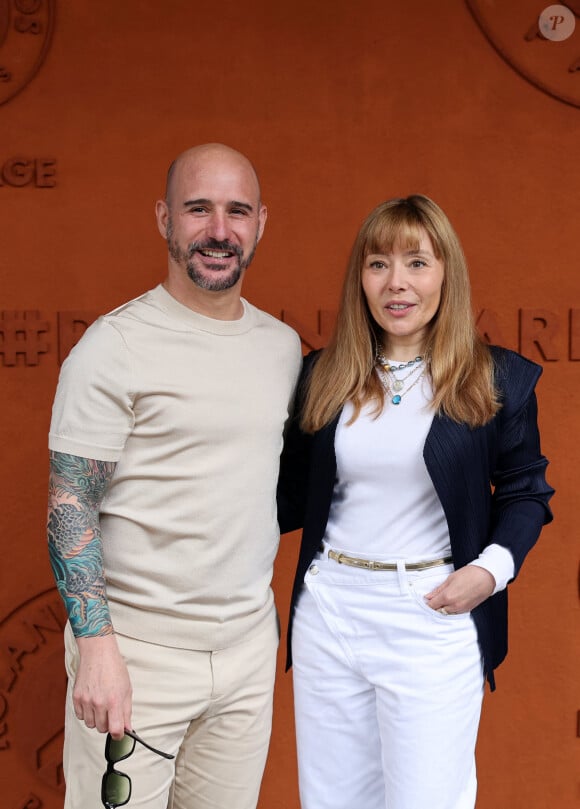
[(76, 489)]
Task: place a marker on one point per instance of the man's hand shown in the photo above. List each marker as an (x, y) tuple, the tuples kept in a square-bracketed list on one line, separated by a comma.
[(462, 590), (102, 694)]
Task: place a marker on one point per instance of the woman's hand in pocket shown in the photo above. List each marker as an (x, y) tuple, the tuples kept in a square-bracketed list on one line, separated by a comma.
[(462, 590)]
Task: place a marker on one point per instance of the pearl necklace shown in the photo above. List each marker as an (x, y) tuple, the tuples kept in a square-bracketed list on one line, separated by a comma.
[(395, 387)]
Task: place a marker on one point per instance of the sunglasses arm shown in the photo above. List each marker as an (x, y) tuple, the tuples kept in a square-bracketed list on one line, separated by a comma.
[(137, 738)]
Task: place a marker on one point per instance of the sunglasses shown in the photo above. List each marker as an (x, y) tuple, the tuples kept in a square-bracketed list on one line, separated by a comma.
[(116, 786)]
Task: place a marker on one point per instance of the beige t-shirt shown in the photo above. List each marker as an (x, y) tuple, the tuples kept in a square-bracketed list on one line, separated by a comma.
[(192, 409)]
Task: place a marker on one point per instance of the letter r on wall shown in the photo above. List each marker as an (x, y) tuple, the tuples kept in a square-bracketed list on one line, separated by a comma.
[(539, 330)]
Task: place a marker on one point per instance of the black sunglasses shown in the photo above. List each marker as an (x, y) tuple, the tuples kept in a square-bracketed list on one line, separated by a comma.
[(116, 786)]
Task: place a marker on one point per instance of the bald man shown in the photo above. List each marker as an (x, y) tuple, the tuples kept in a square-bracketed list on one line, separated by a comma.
[(164, 444)]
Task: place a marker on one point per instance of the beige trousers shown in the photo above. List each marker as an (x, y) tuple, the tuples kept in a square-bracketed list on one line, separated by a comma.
[(213, 710)]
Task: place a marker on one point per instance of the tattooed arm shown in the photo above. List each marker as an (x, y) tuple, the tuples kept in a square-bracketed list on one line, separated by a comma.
[(76, 489), (102, 690)]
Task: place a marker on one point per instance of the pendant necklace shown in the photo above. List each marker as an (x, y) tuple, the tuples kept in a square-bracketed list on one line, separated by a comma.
[(394, 387)]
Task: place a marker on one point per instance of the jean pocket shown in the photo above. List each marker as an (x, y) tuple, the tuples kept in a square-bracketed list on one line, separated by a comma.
[(419, 588)]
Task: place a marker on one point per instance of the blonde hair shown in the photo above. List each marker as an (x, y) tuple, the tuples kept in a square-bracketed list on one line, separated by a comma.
[(459, 363)]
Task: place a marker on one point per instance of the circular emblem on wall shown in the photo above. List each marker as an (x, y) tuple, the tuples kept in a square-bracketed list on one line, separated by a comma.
[(540, 41), (32, 694), (25, 33)]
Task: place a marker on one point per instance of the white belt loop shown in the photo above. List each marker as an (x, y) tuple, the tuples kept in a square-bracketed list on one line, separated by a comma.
[(402, 576)]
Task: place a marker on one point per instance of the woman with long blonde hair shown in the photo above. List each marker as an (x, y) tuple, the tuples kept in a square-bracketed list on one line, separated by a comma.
[(413, 465)]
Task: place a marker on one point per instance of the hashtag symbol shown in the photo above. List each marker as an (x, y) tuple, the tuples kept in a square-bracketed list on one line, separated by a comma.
[(22, 334)]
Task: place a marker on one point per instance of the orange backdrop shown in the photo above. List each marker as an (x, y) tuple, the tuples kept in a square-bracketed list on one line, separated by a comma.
[(340, 105)]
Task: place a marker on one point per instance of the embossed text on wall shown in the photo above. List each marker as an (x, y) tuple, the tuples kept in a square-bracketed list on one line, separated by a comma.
[(543, 335), (25, 335), (538, 333), (37, 172)]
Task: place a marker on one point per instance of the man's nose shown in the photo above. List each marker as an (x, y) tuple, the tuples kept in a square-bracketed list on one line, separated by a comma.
[(217, 226)]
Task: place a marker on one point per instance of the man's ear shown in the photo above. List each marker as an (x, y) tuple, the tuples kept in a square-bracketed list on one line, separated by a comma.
[(162, 216), (262, 216)]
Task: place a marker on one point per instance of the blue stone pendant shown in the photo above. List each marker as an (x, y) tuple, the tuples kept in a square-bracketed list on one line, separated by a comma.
[(396, 399)]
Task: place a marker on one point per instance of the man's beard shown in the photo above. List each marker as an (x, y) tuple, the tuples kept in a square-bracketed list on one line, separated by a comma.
[(214, 277)]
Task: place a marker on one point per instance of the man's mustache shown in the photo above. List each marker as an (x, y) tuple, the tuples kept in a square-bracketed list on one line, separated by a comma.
[(214, 244)]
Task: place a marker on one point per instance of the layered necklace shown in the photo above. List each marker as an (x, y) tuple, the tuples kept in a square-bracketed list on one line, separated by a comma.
[(396, 386)]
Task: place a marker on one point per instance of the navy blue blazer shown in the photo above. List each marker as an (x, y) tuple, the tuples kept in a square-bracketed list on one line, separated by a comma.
[(490, 481)]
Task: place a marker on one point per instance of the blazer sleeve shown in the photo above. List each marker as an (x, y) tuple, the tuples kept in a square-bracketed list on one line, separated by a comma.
[(295, 460), (520, 490)]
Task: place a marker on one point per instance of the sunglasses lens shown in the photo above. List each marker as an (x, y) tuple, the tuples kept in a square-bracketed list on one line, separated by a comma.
[(116, 789), (117, 750)]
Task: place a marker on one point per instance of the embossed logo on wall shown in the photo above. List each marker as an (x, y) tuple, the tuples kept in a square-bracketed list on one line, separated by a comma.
[(25, 34), (32, 693), (517, 30)]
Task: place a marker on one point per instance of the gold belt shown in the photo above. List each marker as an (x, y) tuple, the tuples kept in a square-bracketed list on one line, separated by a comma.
[(368, 564)]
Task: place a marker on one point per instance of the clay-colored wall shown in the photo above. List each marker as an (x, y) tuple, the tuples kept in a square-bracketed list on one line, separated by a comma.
[(340, 105)]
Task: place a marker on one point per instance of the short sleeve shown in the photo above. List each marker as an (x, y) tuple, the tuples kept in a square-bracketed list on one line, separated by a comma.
[(92, 413)]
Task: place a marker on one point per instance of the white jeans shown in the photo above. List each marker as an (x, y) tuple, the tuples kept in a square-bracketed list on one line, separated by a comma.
[(387, 692)]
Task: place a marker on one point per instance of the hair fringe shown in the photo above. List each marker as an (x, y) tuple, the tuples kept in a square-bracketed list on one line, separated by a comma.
[(458, 361)]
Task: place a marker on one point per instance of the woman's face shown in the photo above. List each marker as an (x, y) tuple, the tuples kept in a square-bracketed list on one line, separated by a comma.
[(403, 292)]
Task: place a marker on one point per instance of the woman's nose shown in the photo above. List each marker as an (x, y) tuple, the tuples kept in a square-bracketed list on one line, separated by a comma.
[(397, 277)]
